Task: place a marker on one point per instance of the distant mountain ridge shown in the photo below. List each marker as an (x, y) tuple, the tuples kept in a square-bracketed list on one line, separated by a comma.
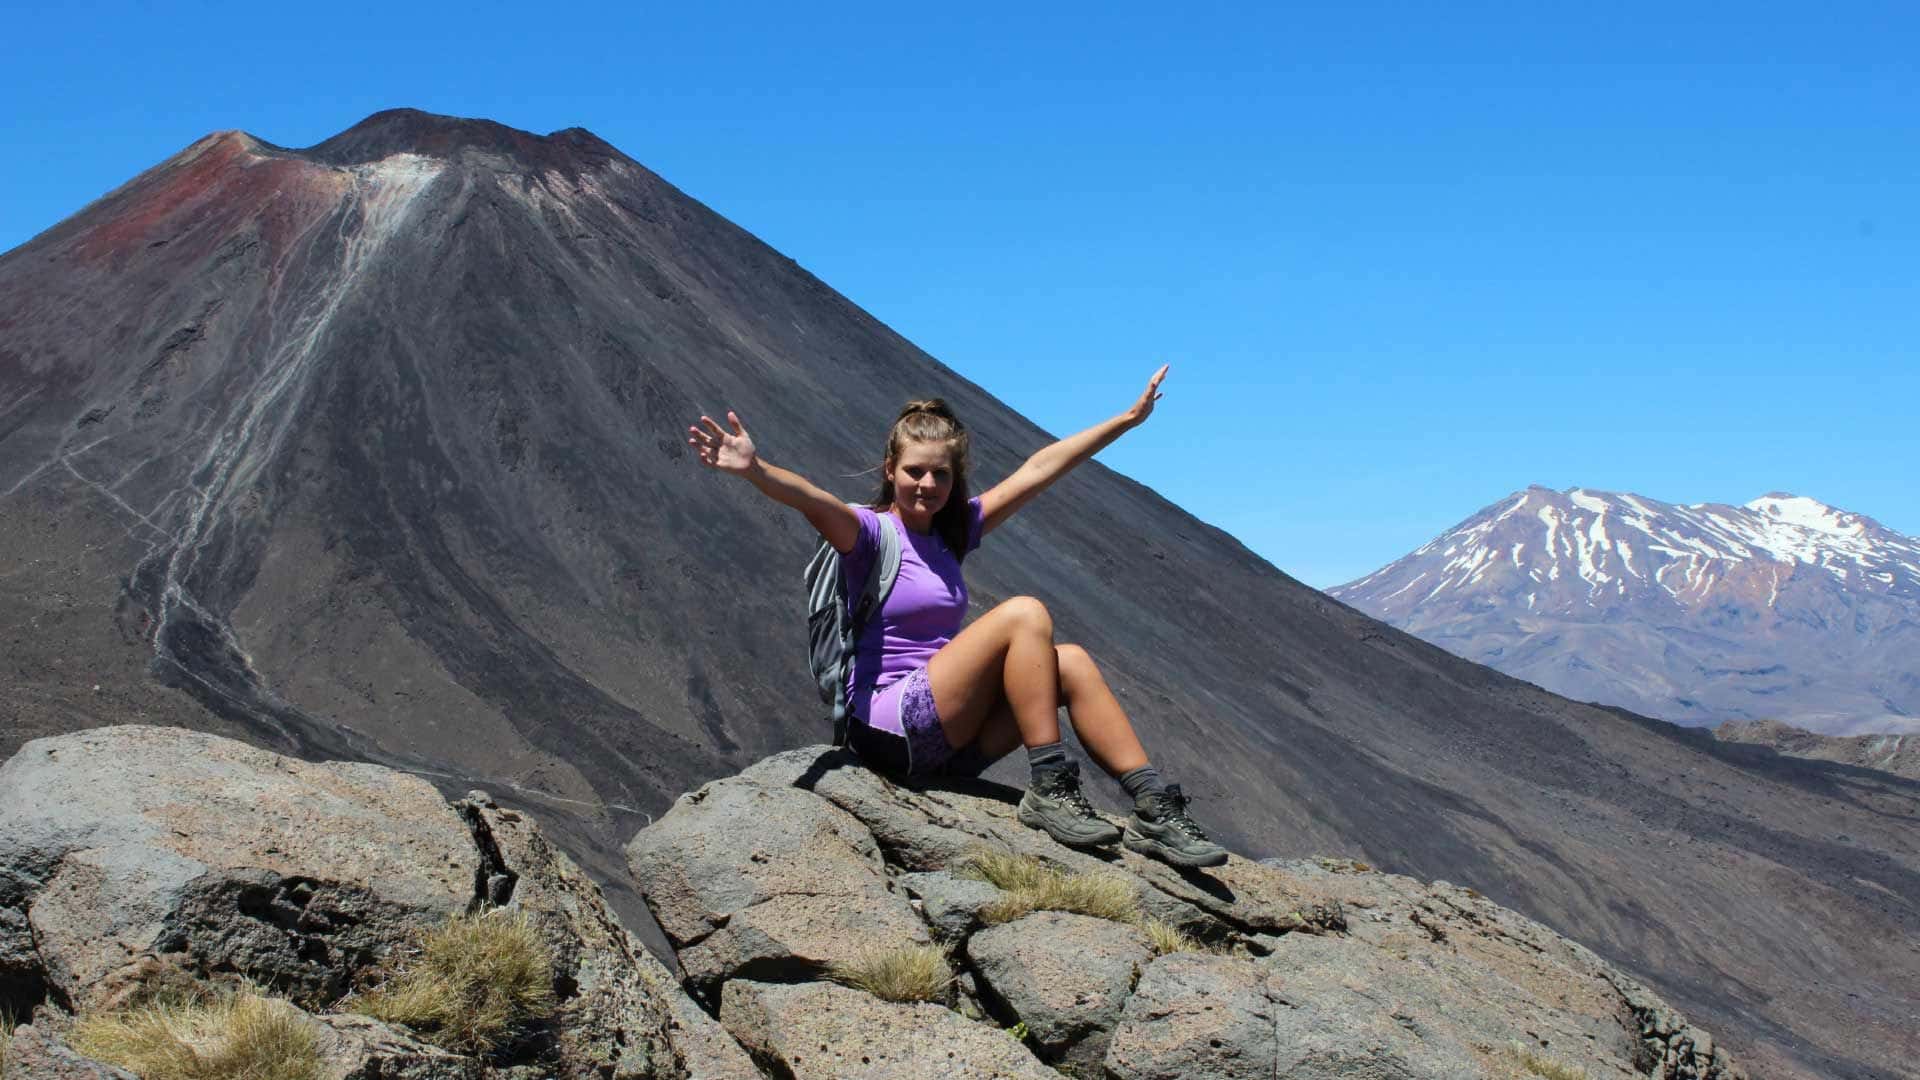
[(1784, 608)]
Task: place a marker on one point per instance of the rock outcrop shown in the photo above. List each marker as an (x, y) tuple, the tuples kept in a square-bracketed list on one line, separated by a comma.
[(1299, 969), (136, 858), (131, 850), (133, 841)]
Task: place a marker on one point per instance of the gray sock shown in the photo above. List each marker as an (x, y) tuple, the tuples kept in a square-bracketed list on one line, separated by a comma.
[(1144, 780), (1041, 758)]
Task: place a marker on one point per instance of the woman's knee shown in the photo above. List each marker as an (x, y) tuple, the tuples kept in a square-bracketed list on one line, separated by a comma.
[(1030, 614), (1076, 665)]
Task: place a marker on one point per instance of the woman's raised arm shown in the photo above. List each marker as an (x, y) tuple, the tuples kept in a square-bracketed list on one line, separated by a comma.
[(733, 452), (1052, 462)]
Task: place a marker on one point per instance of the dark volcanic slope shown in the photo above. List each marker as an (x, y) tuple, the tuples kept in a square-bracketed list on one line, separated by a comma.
[(374, 449)]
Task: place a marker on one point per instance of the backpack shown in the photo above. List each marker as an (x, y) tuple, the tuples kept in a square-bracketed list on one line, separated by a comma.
[(834, 625)]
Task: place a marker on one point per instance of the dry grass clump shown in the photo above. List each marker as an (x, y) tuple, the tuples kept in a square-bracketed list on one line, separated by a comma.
[(1031, 885), (476, 983), (6, 1037), (1536, 1065), (242, 1035), (1164, 937), (907, 973), (1007, 871)]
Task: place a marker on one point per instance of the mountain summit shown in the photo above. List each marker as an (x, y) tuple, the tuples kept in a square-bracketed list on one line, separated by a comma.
[(375, 450), (1785, 608)]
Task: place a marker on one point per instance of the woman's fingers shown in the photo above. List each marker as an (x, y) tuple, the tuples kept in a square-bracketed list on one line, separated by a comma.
[(1153, 384), (716, 445)]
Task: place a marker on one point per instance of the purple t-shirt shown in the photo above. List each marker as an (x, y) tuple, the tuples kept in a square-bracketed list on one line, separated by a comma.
[(925, 608)]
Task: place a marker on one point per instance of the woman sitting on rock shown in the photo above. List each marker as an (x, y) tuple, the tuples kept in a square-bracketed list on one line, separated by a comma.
[(926, 697)]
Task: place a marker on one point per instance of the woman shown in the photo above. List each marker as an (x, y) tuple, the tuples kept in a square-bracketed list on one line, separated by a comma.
[(928, 697)]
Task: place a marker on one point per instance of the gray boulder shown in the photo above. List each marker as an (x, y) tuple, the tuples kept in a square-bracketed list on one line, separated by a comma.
[(808, 1030), (950, 904), (1524, 983), (119, 842), (934, 828), (1065, 976), (1430, 980), (138, 858), (769, 882)]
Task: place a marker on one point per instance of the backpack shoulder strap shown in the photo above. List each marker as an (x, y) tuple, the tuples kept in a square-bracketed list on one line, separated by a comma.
[(873, 593), (880, 577)]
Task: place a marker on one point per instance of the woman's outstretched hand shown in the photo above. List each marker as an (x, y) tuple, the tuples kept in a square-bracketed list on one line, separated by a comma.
[(728, 451), (1144, 407)]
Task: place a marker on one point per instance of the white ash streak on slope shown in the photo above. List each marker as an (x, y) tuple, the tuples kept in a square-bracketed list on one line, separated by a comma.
[(376, 206)]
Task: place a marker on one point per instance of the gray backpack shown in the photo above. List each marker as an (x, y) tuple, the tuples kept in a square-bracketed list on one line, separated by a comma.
[(834, 625)]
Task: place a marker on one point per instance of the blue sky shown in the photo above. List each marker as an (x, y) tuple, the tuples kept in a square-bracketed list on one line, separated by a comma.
[(1404, 258)]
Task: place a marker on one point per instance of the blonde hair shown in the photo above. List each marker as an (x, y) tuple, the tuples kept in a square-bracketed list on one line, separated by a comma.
[(932, 420)]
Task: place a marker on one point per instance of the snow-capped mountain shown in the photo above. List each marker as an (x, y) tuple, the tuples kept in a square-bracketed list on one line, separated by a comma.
[(1785, 608)]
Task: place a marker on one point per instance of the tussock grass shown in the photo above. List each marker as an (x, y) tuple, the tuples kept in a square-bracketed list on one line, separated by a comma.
[(477, 983), (906, 973), (1534, 1064), (6, 1038), (1164, 937), (1031, 885), (240, 1036), (1007, 871)]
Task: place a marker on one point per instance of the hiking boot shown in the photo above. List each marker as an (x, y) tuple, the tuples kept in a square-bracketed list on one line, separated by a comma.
[(1055, 803), (1161, 828)]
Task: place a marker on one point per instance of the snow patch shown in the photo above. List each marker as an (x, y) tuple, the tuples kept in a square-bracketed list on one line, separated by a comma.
[(1808, 514), (1551, 518), (1587, 502)]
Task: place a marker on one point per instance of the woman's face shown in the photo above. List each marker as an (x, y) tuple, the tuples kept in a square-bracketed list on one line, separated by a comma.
[(922, 479)]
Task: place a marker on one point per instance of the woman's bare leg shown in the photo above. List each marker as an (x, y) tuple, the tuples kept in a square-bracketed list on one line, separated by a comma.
[(1006, 667), (1096, 715), (1000, 735), (1005, 655)]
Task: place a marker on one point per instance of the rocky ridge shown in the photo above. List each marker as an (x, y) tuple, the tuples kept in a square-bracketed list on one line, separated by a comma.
[(1897, 754), (135, 850)]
